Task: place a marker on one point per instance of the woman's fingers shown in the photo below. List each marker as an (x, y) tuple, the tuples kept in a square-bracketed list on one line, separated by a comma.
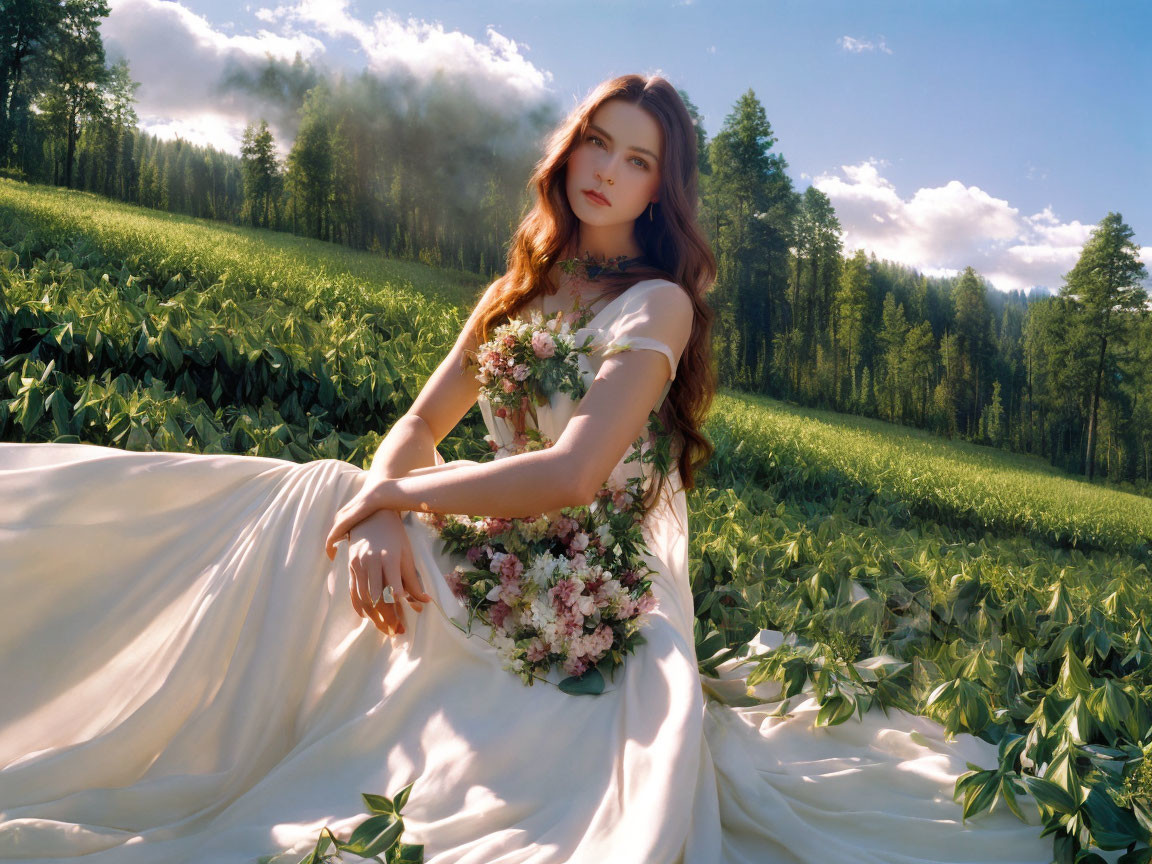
[(364, 582), (392, 580), (347, 518), (379, 612), (415, 591), (353, 589)]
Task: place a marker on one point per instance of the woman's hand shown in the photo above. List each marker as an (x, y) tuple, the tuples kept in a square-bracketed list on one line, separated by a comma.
[(363, 504), (379, 556), (373, 497)]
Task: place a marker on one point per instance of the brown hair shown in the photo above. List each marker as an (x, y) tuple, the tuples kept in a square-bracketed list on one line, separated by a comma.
[(672, 243)]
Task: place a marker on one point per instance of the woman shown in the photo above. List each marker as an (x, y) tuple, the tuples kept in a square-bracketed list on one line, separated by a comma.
[(185, 682)]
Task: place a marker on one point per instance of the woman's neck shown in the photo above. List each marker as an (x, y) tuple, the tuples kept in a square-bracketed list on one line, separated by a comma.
[(575, 292)]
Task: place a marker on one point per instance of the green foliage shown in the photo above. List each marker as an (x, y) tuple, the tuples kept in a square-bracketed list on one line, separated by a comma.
[(377, 835), (822, 455), (154, 359)]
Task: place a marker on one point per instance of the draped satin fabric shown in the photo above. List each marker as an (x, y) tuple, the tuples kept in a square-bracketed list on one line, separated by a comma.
[(184, 680)]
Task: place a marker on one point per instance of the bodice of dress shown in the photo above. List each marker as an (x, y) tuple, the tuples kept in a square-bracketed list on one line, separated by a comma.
[(611, 332)]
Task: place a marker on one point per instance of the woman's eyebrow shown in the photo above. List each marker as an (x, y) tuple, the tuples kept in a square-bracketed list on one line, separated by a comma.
[(609, 137)]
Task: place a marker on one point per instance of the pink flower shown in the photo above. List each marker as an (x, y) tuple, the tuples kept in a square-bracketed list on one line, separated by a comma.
[(501, 411), (575, 666), (494, 525), (509, 340), (520, 371), (579, 542), (571, 621), (647, 603), (537, 650), (456, 584), (511, 567), (565, 591), (622, 500), (510, 590), (499, 613), (509, 385), (543, 345), (564, 526), (475, 554), (627, 608), (579, 561)]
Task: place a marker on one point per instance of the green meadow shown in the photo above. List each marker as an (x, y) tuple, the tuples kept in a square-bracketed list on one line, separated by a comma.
[(985, 589)]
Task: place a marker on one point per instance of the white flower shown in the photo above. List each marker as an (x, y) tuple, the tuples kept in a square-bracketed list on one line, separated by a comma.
[(543, 613), (494, 594), (604, 532), (545, 568)]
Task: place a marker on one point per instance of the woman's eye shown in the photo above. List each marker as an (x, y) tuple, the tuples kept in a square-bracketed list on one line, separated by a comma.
[(636, 160)]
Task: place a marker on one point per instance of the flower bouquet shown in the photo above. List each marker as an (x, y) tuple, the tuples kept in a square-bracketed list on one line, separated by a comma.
[(570, 592), (526, 362)]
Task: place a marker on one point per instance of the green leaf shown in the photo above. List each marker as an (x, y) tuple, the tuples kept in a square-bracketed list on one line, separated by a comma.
[(1074, 677), (1136, 856), (1049, 795), (1008, 790), (837, 708), (981, 794), (591, 683), (374, 835), (378, 803), (1112, 828), (401, 797), (409, 853)]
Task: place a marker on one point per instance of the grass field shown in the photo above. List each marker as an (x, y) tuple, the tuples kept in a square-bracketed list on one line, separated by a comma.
[(1007, 600)]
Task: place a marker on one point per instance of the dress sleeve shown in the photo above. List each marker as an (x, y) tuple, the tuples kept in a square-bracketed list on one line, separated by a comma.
[(647, 320)]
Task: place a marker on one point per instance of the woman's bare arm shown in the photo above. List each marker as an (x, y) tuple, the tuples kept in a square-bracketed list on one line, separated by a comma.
[(612, 414), (443, 401)]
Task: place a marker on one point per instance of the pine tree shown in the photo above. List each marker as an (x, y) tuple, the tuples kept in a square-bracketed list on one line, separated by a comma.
[(1105, 288), (78, 76), (851, 304), (260, 170)]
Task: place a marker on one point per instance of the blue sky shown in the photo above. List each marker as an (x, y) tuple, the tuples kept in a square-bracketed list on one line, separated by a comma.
[(994, 134)]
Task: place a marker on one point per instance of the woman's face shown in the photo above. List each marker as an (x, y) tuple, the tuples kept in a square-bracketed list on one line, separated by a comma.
[(619, 158)]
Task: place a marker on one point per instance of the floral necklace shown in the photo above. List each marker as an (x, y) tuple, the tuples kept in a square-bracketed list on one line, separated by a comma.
[(587, 269), (593, 268)]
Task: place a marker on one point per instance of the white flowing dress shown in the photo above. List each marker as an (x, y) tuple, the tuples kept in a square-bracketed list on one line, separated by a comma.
[(184, 680)]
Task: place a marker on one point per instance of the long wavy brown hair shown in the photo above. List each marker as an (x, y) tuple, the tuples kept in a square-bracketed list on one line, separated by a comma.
[(672, 243)]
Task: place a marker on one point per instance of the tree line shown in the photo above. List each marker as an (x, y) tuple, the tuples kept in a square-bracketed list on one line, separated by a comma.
[(1067, 376)]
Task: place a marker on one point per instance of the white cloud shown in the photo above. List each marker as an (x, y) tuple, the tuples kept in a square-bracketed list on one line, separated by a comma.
[(943, 229), (422, 48), (859, 46), (180, 58)]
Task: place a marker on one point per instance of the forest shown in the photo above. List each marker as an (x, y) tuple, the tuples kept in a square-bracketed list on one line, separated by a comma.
[(425, 172)]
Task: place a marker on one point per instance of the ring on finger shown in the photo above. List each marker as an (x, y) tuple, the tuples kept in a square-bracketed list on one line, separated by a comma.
[(387, 595)]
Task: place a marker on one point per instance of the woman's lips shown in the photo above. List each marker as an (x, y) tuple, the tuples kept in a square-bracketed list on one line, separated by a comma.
[(596, 198)]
